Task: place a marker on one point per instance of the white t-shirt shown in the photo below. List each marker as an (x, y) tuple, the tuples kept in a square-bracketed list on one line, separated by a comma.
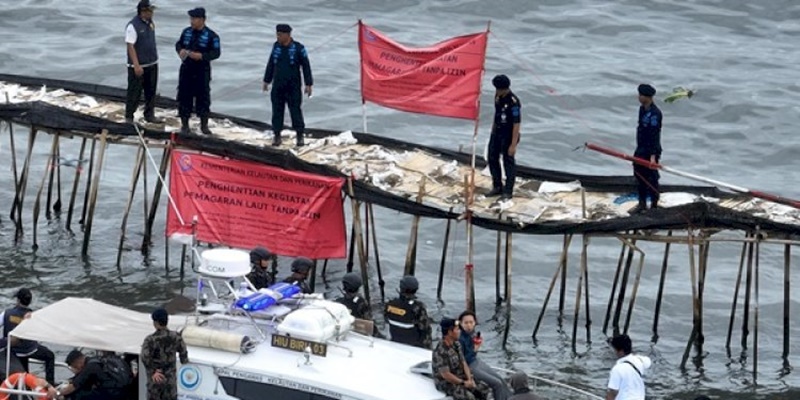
[(130, 34), (626, 380)]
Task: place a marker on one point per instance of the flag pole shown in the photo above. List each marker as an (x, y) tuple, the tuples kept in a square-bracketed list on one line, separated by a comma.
[(361, 58), (469, 280)]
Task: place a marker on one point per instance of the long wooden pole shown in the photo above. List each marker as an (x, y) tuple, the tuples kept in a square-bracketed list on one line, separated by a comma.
[(52, 173), (75, 183), (756, 308), (623, 287), (92, 155), (381, 282), (695, 309), (787, 273), (57, 204), (362, 260), (562, 261), (736, 296), (13, 162), (563, 292), (151, 217), (578, 294), (443, 262), (659, 296), (614, 284), (747, 286), (635, 289), (497, 257), (585, 261), (137, 169), (469, 281), (37, 202), (508, 265), (411, 253), (87, 231), (23, 183)]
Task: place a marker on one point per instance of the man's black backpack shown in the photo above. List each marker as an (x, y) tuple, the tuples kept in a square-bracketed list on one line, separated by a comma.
[(118, 373)]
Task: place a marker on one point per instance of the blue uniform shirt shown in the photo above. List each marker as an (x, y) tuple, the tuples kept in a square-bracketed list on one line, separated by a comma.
[(648, 132), (468, 347)]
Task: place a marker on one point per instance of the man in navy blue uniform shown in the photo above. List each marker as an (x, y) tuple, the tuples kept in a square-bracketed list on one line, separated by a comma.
[(648, 147), (197, 47), (26, 349), (286, 60), (505, 137)]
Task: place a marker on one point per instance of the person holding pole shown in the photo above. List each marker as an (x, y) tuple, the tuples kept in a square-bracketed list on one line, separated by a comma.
[(648, 147), (504, 138)]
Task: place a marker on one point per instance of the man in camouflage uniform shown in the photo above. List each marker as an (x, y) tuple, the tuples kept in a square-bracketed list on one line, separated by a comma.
[(451, 374), (407, 317), (158, 357)]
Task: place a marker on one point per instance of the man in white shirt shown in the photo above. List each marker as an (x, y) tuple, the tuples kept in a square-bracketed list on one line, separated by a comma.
[(625, 382), (140, 39)]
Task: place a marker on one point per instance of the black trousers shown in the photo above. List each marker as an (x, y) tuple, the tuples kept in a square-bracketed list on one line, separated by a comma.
[(42, 353), (148, 83), (498, 147), (194, 92), (293, 96), (646, 183)]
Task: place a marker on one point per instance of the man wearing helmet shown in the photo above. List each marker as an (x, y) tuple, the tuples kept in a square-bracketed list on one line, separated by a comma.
[(358, 306), (300, 270), (260, 260), (407, 317)]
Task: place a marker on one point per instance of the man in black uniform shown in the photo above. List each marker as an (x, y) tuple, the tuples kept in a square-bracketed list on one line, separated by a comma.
[(288, 57), (140, 36), (407, 317), (197, 47), (648, 147), (300, 269), (26, 349), (504, 137), (93, 380), (260, 260), (357, 305)]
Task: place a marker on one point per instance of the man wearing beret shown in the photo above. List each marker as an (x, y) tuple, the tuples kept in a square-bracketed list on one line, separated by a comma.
[(140, 36), (158, 357), (451, 374), (648, 147), (287, 59), (504, 138), (197, 47)]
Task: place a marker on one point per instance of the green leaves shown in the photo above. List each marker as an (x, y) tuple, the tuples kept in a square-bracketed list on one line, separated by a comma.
[(678, 93)]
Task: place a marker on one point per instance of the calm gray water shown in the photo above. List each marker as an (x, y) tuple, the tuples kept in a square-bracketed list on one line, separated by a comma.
[(575, 65)]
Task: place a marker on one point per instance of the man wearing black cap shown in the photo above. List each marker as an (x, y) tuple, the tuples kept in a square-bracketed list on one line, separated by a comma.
[(301, 267), (158, 357), (451, 374), (140, 36), (648, 147), (26, 349), (197, 47), (505, 137), (286, 60)]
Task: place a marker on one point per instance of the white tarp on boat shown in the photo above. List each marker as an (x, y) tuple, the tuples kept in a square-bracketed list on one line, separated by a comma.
[(81, 322)]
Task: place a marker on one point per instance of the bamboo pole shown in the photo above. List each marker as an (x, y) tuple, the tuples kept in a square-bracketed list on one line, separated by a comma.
[(57, 204), (151, 217), (37, 203), (137, 169), (659, 296), (23, 183), (585, 261), (366, 231), (312, 279), (87, 231), (508, 265), (411, 253), (695, 303), (325, 271), (563, 292), (701, 288), (614, 284), (145, 186), (747, 286), (75, 183), (52, 173), (787, 273), (623, 287), (498, 297), (756, 309), (13, 162), (469, 267), (635, 289), (352, 253), (89, 176), (562, 261), (443, 262), (362, 260), (381, 282), (578, 294), (736, 296)]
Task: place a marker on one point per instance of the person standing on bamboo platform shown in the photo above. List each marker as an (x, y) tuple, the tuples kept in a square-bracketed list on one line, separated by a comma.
[(197, 47), (648, 147), (286, 60), (504, 138), (140, 37)]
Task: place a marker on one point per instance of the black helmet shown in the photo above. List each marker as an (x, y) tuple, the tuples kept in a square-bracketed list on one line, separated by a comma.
[(351, 282), (258, 254), (302, 265), (409, 284)]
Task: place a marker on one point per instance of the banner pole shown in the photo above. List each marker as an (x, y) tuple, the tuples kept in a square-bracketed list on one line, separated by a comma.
[(364, 115)]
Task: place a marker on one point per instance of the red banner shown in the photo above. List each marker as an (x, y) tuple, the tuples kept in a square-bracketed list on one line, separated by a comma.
[(443, 79), (243, 204)]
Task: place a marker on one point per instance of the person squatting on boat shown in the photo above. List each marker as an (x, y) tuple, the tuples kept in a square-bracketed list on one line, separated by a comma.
[(648, 147), (98, 378), (408, 317), (197, 46), (140, 39), (352, 299), (519, 382), (504, 137), (158, 356), (625, 381), (451, 374), (27, 349), (260, 260), (287, 59), (470, 344), (301, 267)]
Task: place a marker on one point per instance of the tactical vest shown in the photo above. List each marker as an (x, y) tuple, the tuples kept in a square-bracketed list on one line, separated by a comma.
[(145, 42), (401, 316), (13, 317), (351, 302)]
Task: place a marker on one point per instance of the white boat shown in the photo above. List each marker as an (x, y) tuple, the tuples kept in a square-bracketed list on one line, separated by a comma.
[(300, 348)]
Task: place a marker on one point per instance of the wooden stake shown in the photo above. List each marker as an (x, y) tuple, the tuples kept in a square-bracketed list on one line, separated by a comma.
[(585, 261), (701, 284), (37, 203), (508, 265), (411, 253), (312, 279), (498, 297), (137, 169), (635, 290), (145, 187), (623, 287), (561, 263), (562, 295), (325, 271), (75, 183), (787, 273), (443, 262), (362, 260), (747, 286), (614, 284), (23, 183), (151, 217), (736, 295), (52, 173), (87, 232), (89, 175), (381, 282), (469, 273), (660, 294), (756, 309), (352, 253), (13, 163), (57, 161), (578, 293)]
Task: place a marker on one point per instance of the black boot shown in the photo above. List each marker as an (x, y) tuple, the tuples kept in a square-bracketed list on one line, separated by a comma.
[(204, 125), (300, 141), (276, 139), (185, 126)]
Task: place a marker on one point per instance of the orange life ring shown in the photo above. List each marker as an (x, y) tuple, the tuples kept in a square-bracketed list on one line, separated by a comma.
[(31, 382)]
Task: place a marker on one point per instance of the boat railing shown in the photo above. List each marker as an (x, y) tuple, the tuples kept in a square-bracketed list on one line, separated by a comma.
[(536, 379)]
